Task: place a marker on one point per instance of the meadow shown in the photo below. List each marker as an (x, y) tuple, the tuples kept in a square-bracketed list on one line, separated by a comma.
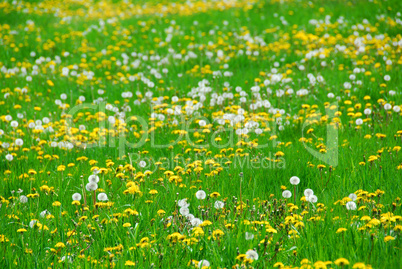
[(200, 134)]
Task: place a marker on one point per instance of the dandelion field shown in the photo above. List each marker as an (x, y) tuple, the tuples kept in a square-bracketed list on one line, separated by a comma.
[(200, 134)]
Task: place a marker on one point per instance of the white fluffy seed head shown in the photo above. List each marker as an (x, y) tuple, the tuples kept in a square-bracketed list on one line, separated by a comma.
[(312, 199), (219, 204), (23, 199), (249, 236), (196, 222), (76, 196), (286, 194), (93, 178), (91, 186), (201, 195), (183, 203), (359, 122), (184, 211), (9, 157), (351, 206), (102, 196), (353, 196), (308, 192), (203, 263), (19, 142), (251, 254), (294, 180)]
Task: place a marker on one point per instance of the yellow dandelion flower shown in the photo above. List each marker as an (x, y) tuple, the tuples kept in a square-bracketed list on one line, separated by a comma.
[(341, 262)]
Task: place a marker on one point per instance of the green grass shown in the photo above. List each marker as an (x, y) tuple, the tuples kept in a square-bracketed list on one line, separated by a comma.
[(93, 235)]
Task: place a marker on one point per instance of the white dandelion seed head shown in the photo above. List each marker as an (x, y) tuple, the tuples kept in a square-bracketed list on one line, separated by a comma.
[(14, 124), (359, 122), (32, 223), (294, 180), (23, 199), (203, 263), (351, 206), (387, 106), (196, 222), (19, 142), (201, 195), (183, 203), (93, 178), (76, 196), (91, 186), (312, 198), (190, 217), (286, 194), (142, 164), (44, 213), (251, 254), (184, 211), (9, 157), (102, 196), (249, 236), (353, 196), (367, 111), (68, 258), (219, 204), (202, 123), (308, 192)]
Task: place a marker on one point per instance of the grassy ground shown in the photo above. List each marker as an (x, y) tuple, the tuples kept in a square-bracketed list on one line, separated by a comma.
[(162, 103)]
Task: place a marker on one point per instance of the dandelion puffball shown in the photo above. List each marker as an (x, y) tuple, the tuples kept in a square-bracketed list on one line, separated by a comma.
[(102, 196), (184, 211), (76, 196), (251, 254), (351, 206), (196, 222), (19, 142), (93, 178), (203, 263), (43, 213), (142, 164), (312, 198), (359, 122), (23, 199), (202, 123), (32, 223), (9, 157), (190, 217), (353, 196), (249, 236), (183, 203), (219, 204), (367, 111), (286, 194), (294, 180), (14, 124), (200, 195), (91, 186), (308, 192)]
